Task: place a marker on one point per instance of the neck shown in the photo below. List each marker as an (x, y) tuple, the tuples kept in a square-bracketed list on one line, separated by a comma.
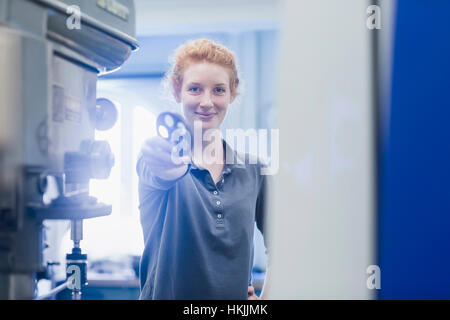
[(209, 152)]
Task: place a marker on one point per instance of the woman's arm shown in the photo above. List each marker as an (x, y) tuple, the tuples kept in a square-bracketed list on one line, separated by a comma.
[(155, 167)]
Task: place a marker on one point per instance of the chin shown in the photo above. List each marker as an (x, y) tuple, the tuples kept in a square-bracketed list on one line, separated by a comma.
[(209, 125)]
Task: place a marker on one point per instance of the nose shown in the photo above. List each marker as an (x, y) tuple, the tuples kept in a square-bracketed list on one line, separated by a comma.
[(206, 101)]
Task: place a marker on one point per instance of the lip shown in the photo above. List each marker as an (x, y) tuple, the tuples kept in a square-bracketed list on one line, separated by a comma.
[(205, 116)]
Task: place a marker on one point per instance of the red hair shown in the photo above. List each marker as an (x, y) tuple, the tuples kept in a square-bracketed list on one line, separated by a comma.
[(198, 51)]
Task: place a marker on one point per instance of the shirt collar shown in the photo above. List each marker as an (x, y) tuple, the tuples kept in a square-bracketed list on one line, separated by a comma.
[(233, 160)]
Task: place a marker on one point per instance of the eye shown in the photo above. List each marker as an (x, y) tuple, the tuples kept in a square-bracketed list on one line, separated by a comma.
[(194, 89), (220, 90)]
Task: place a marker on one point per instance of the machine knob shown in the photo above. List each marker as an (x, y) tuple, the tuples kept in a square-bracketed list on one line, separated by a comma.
[(94, 161), (105, 114)]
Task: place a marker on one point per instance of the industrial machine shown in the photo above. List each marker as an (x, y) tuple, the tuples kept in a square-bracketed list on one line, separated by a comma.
[(51, 54)]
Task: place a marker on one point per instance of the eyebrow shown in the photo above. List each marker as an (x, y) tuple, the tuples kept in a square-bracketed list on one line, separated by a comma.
[(199, 84)]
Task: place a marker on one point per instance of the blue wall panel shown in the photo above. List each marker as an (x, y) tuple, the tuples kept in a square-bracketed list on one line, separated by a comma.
[(414, 221)]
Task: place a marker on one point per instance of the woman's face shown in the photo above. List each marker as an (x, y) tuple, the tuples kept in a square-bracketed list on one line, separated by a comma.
[(205, 94)]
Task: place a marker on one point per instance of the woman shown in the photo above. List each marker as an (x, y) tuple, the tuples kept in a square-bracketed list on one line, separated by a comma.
[(198, 218)]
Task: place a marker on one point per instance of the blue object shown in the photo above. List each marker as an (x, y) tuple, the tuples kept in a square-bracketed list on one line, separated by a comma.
[(414, 206)]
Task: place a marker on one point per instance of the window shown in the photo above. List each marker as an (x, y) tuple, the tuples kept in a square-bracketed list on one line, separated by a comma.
[(120, 234)]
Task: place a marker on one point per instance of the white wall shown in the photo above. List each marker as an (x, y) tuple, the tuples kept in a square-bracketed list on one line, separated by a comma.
[(323, 205), (181, 16)]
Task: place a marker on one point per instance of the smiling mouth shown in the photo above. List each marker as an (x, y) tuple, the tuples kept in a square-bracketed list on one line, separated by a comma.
[(205, 115)]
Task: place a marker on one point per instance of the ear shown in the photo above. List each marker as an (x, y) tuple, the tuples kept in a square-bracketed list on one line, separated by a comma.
[(233, 97), (234, 93), (177, 96)]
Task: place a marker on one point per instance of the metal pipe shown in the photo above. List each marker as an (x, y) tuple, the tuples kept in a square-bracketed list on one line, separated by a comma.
[(53, 292), (76, 233)]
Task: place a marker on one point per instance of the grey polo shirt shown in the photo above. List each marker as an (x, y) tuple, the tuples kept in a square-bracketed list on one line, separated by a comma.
[(199, 235)]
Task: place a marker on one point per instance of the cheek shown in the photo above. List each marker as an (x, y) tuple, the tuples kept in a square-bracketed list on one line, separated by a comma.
[(222, 104), (190, 101)]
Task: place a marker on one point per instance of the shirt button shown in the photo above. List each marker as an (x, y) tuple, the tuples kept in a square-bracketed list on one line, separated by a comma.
[(219, 216), (218, 203), (215, 193)]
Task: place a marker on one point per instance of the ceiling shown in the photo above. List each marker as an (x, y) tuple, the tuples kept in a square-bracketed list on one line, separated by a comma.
[(162, 17)]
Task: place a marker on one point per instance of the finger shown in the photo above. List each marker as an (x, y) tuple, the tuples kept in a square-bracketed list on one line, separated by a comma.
[(152, 151), (157, 158), (181, 161), (155, 169), (158, 143), (164, 153), (155, 148), (165, 160), (178, 171), (164, 170), (251, 290)]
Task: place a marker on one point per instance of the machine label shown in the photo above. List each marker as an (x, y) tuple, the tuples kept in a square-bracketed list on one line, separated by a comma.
[(73, 109), (115, 8), (65, 107), (58, 104)]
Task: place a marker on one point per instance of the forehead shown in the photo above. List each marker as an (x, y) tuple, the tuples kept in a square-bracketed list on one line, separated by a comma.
[(207, 73)]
